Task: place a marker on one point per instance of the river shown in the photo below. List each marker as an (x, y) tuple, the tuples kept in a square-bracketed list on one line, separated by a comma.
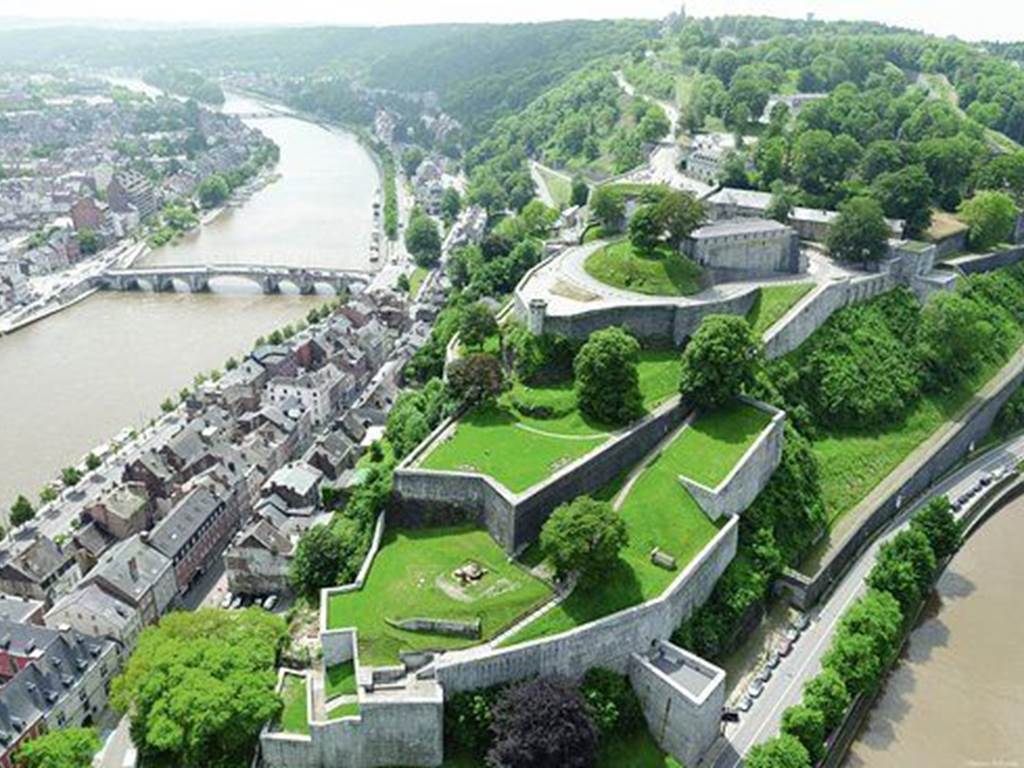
[(956, 697), (72, 381)]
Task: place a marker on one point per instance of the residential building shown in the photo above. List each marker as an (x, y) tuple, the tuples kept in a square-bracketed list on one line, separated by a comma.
[(21, 610), (92, 610), (123, 511), (33, 565), (131, 190), (139, 575), (258, 559)]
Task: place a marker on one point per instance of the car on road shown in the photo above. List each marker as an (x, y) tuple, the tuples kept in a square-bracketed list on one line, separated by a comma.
[(745, 703), (784, 647), (774, 659), (226, 602), (730, 715), (802, 621), (764, 675), (792, 633), (755, 689)]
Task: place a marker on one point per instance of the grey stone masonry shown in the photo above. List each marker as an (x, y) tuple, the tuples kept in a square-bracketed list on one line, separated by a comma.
[(681, 696), (750, 475)]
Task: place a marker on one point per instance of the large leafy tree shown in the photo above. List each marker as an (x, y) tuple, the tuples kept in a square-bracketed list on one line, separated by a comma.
[(784, 751), (584, 536), (806, 724), (63, 748), (826, 692), (477, 325), (21, 511), (876, 615), (937, 523), (719, 361), (990, 216), (645, 229), (423, 240), (607, 381), (854, 658), (201, 685), (475, 378), (860, 232), (608, 207), (954, 336), (542, 723), (906, 194), (680, 213), (907, 549), (322, 556)]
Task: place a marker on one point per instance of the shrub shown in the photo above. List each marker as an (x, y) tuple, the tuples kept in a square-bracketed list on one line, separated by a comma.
[(475, 378), (467, 720), (990, 216), (611, 701)]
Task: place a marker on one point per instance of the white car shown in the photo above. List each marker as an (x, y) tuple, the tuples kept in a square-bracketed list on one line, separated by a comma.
[(755, 689), (269, 603), (226, 602)]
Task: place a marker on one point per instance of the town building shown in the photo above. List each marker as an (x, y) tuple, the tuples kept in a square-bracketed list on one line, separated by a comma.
[(21, 610), (92, 610), (130, 190), (124, 510), (745, 247), (138, 575)]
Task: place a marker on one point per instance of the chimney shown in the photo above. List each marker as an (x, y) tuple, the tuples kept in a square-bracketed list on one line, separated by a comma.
[(133, 569)]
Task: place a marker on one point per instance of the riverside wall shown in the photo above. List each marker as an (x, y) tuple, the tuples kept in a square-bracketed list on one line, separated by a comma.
[(515, 520), (805, 591), (607, 642)]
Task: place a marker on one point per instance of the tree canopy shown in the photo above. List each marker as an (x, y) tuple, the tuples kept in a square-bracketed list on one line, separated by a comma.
[(62, 748), (584, 536), (859, 233), (200, 686), (423, 240), (719, 361), (990, 217), (607, 381)]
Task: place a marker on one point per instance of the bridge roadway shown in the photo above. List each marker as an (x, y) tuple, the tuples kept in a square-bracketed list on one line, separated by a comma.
[(197, 277)]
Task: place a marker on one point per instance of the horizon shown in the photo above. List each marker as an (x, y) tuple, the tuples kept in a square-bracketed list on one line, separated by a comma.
[(984, 22)]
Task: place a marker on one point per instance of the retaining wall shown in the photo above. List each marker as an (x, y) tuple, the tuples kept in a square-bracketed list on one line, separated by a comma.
[(607, 642), (750, 475), (515, 520), (971, 429), (986, 262)]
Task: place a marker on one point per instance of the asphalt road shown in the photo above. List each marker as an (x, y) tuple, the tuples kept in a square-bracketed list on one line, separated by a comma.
[(785, 687)]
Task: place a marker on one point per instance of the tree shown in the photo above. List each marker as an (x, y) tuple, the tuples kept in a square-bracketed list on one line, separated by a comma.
[(608, 207), (906, 194), (990, 217), (48, 494), (477, 325), (212, 191), (21, 511), (937, 523), (859, 233), (70, 476), (854, 659), (781, 204), (402, 283), (654, 125), (62, 748), (905, 568), (411, 159), (645, 229), (876, 615), (542, 723), (317, 561), (451, 204), (783, 751), (200, 686), (680, 213), (92, 461), (584, 536), (611, 701), (607, 381), (423, 240), (807, 725), (826, 692), (580, 191), (88, 242), (954, 336), (476, 378), (719, 361)]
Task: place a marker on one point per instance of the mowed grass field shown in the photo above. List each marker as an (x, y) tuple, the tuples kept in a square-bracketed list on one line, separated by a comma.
[(660, 512), (662, 272), (340, 680), (773, 301), (295, 715), (412, 577), (520, 451)]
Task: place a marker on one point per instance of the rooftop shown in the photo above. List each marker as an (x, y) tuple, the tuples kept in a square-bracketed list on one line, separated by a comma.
[(740, 226)]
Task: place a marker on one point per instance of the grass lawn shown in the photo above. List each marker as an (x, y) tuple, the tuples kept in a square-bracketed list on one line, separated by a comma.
[(659, 512), (663, 272), (853, 462), (518, 450), (773, 301), (295, 715), (710, 447), (346, 709), (412, 577), (416, 280), (559, 186), (340, 680)]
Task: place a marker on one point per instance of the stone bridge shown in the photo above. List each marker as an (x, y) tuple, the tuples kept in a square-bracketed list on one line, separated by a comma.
[(197, 278)]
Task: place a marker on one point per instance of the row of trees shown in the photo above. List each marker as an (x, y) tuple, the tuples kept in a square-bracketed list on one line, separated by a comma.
[(868, 638)]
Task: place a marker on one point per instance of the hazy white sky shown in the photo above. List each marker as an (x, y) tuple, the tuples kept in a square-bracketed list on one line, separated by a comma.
[(988, 19)]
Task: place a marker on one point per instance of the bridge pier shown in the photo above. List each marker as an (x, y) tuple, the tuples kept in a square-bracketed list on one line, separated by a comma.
[(199, 284), (271, 285), (307, 285), (163, 284)]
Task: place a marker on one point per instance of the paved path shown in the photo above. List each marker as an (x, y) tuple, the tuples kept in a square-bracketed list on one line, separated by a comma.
[(786, 685)]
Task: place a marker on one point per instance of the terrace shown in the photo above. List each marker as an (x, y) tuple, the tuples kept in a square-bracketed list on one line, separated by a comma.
[(517, 449)]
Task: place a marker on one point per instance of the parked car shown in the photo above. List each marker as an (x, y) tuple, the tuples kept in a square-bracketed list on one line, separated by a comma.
[(764, 675), (226, 602), (730, 715), (745, 703), (774, 659), (269, 603), (755, 689), (236, 603), (792, 633), (802, 621), (784, 647)]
